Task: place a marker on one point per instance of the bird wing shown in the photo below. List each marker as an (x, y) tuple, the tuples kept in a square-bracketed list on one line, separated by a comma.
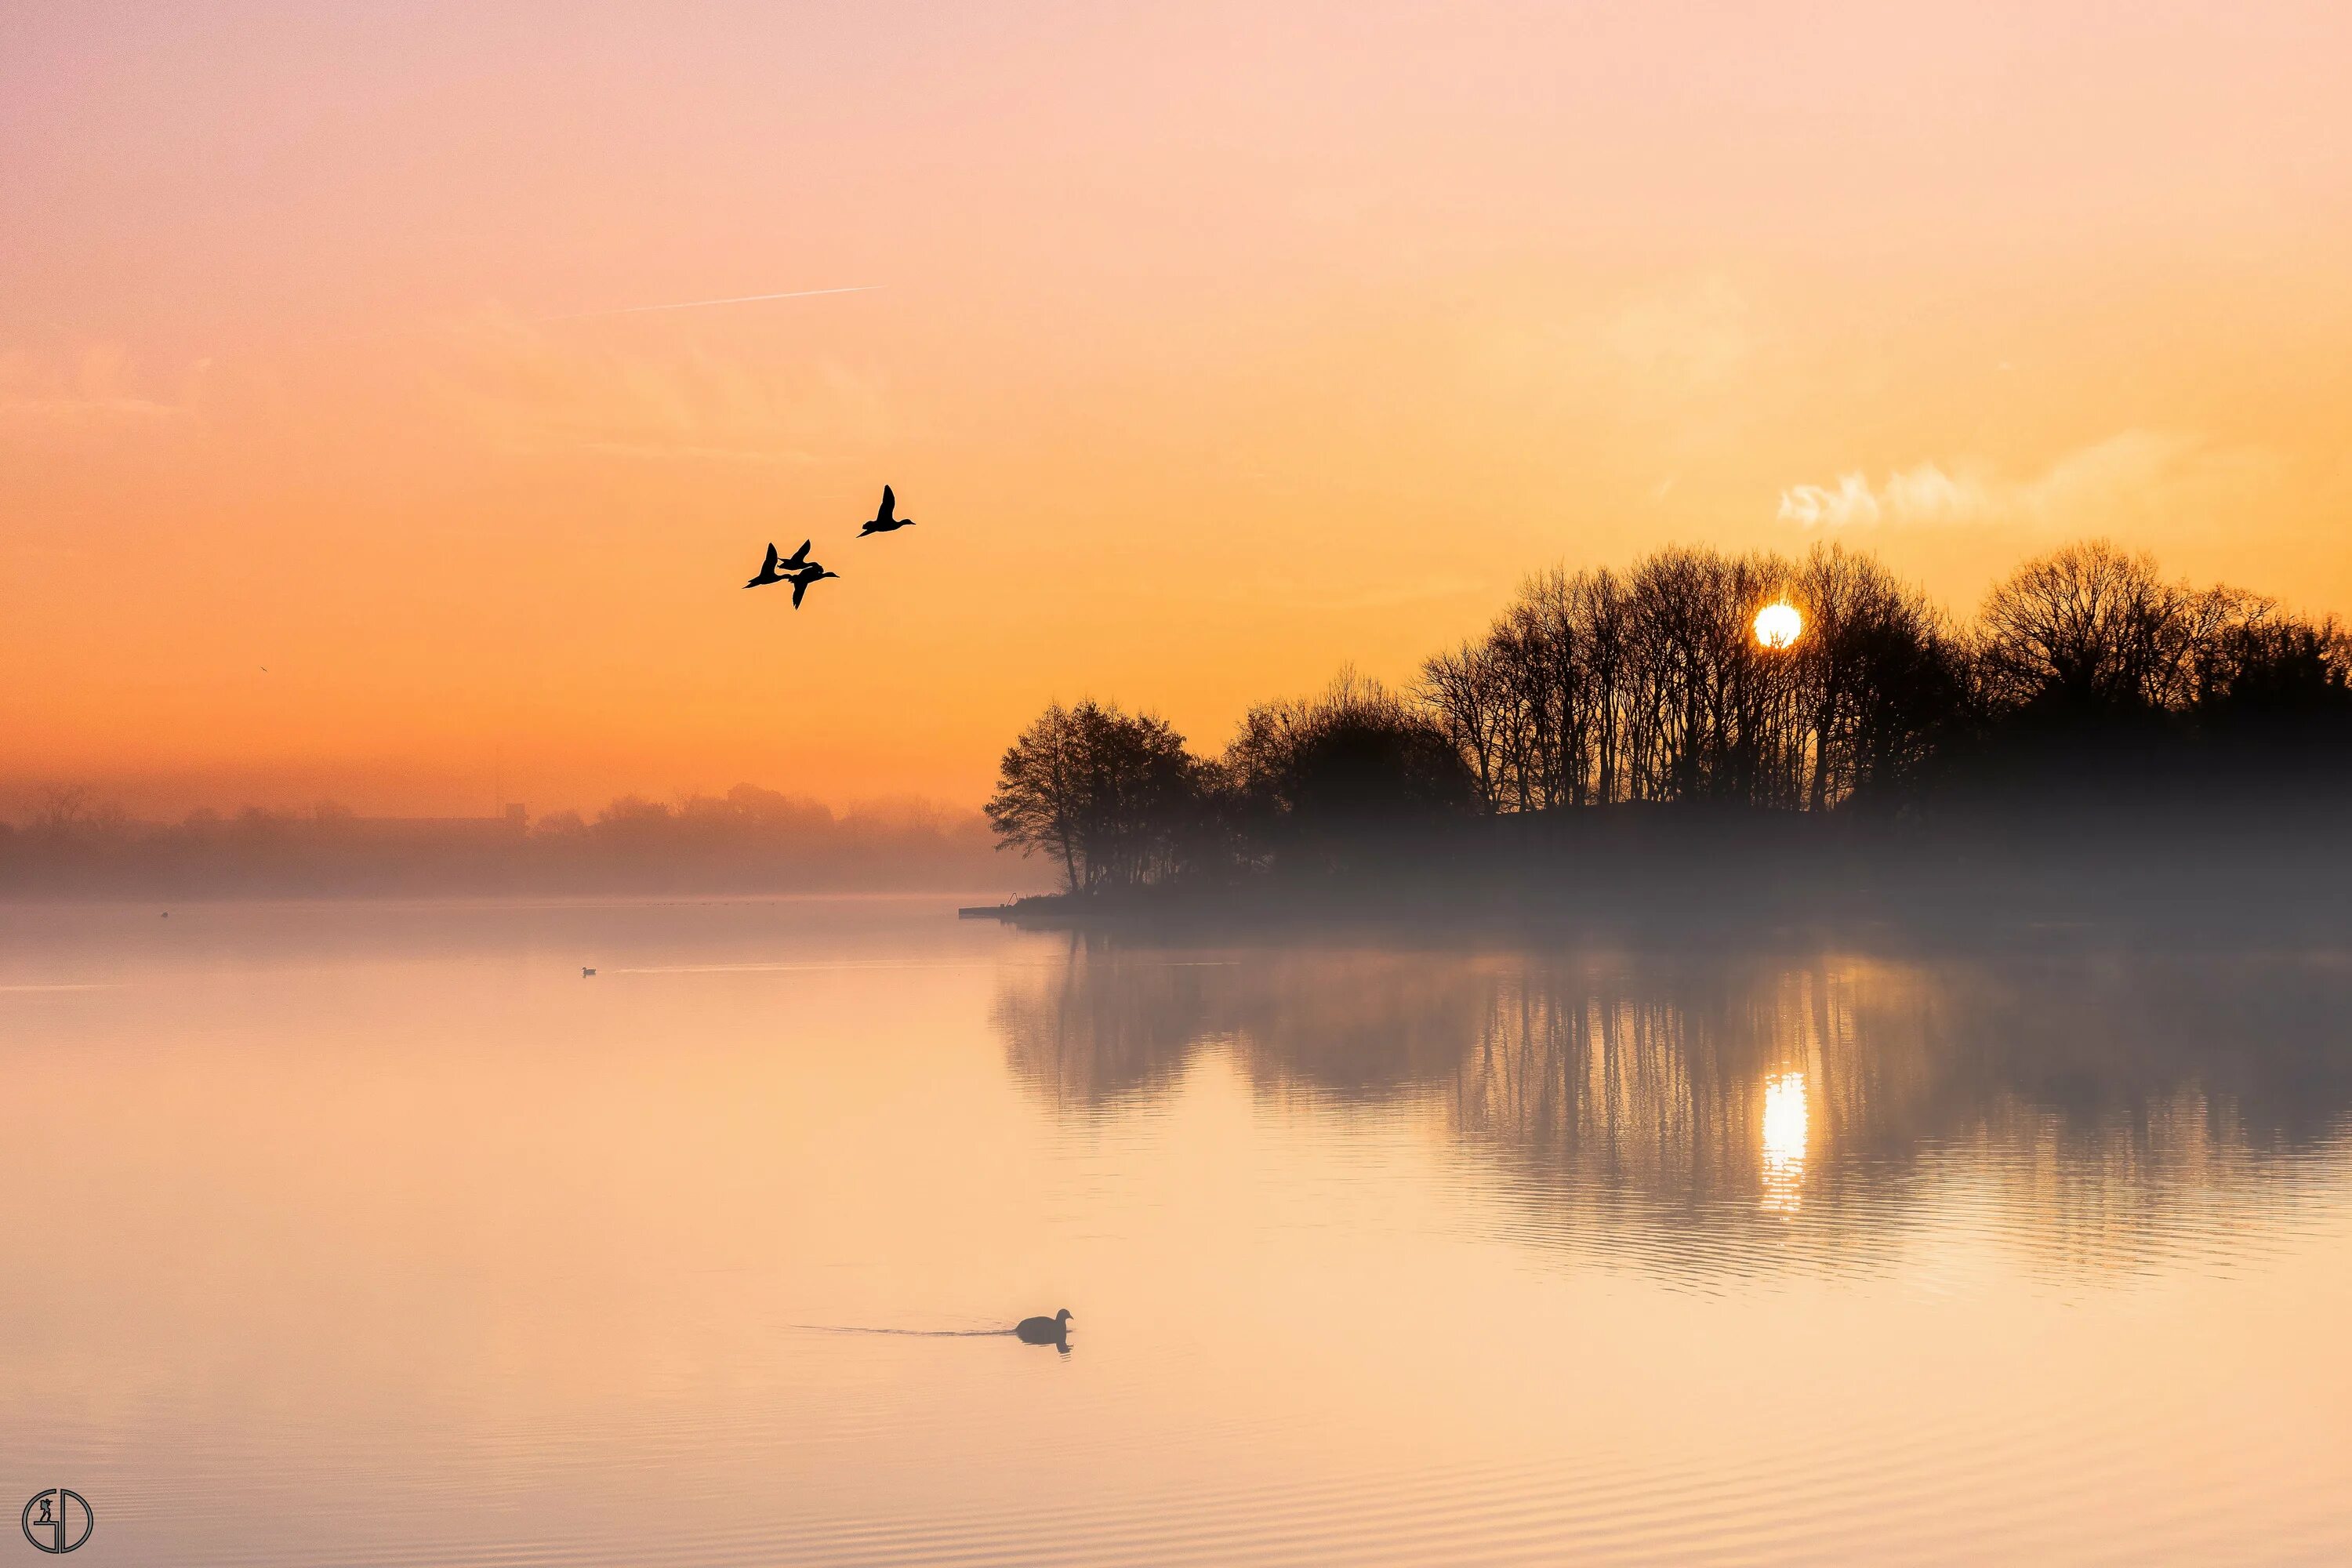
[(800, 556), (800, 587), (889, 505)]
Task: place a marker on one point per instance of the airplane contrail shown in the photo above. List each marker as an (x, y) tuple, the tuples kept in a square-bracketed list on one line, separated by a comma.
[(700, 304)]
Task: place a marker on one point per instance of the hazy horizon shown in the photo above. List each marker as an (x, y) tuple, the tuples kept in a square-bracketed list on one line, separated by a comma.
[(407, 787), (401, 792)]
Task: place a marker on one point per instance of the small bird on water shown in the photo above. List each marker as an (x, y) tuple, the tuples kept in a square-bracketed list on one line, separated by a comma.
[(1053, 1330), (886, 520)]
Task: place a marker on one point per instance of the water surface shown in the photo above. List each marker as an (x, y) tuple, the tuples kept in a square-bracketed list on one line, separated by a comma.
[(377, 1234)]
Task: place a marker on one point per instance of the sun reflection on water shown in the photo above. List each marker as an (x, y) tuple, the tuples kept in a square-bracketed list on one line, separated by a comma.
[(1786, 1129)]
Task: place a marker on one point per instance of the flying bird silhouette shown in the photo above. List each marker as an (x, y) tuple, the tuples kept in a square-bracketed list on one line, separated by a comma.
[(768, 572), (782, 568), (883, 521), (801, 580)]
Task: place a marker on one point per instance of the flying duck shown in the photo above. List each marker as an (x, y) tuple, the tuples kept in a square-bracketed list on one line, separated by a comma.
[(768, 572), (800, 579), (883, 521)]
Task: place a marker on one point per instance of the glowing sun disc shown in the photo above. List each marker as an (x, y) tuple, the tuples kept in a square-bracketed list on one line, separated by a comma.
[(1778, 625)]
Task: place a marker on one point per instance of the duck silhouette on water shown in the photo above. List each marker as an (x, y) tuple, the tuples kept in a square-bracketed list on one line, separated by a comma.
[(1054, 1330)]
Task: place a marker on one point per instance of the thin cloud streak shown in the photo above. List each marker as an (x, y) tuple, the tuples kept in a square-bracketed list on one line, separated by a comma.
[(704, 304), (1287, 595)]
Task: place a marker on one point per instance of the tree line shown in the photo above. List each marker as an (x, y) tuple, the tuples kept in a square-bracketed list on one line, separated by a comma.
[(751, 839), (1649, 686)]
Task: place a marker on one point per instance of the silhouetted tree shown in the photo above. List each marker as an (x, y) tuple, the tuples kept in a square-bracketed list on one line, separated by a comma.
[(64, 808), (1592, 688), (1108, 796), (2280, 670), (1352, 761), (1882, 679), (1470, 693), (2085, 631)]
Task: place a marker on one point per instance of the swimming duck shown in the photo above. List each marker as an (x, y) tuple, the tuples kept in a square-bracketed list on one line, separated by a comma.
[(1053, 1330)]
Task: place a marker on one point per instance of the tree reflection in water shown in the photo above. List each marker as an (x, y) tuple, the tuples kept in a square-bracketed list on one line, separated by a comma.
[(1742, 1110)]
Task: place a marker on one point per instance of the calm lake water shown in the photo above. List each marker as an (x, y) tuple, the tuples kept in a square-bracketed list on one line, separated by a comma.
[(377, 1234)]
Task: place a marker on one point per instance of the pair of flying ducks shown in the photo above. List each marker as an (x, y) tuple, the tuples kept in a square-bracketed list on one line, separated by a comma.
[(800, 570)]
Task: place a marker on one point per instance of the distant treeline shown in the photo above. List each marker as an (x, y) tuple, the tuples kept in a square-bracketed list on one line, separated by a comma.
[(750, 840), (2088, 694)]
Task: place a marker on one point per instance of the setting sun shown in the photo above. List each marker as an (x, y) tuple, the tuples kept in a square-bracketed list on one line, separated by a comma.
[(1779, 624)]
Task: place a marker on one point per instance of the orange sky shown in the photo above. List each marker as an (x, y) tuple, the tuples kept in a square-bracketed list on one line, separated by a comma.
[(1211, 347)]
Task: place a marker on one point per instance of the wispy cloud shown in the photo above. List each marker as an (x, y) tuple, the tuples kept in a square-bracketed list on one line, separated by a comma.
[(1849, 503), (521, 389), (92, 387), (2134, 475), (1287, 594), (706, 304), (677, 451)]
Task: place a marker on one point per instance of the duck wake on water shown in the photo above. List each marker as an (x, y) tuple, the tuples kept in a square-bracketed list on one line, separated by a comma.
[(909, 1334), (1053, 1330)]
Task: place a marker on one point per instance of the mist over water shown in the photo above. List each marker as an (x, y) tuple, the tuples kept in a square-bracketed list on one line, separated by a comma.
[(376, 1233)]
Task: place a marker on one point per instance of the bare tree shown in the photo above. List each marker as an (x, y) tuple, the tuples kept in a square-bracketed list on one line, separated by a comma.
[(2084, 629), (1593, 687), (1469, 692), (1879, 678), (64, 808)]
